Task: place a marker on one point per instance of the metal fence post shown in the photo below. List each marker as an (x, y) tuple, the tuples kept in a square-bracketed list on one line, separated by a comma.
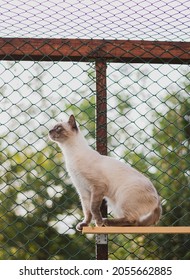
[(101, 141)]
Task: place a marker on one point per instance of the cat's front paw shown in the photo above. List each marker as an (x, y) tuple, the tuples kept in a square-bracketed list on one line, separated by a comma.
[(80, 226)]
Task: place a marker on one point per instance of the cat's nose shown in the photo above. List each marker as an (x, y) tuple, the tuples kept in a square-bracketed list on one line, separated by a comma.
[(51, 131)]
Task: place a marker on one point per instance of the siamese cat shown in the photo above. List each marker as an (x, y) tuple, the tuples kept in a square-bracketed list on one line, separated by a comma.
[(130, 195)]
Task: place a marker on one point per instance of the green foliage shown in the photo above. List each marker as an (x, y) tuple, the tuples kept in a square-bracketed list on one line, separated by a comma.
[(172, 163), (34, 196)]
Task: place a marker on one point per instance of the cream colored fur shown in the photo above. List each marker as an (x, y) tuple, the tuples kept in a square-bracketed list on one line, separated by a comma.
[(131, 196)]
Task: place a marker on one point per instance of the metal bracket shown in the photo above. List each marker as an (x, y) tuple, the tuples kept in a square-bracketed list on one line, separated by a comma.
[(101, 238)]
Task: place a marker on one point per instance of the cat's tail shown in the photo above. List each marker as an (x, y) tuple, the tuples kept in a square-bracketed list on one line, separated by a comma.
[(151, 218)]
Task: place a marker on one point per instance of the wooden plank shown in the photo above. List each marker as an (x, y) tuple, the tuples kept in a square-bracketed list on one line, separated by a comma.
[(132, 51), (138, 230)]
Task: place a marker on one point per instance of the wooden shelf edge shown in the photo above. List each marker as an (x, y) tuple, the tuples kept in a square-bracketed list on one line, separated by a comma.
[(138, 230)]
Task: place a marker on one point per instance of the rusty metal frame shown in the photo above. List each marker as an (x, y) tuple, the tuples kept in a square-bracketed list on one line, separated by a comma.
[(133, 51)]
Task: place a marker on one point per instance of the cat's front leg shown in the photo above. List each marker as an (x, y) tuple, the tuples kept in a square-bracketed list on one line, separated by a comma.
[(85, 201), (96, 201)]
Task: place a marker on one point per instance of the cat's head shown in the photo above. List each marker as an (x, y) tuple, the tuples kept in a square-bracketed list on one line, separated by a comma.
[(64, 130)]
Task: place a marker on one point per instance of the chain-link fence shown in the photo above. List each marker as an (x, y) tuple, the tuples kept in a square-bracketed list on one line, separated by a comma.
[(130, 98)]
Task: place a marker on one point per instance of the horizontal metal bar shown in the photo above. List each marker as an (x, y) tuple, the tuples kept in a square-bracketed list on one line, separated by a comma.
[(133, 51), (139, 230)]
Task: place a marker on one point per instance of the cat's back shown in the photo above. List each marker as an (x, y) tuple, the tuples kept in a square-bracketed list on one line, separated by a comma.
[(111, 164), (120, 173)]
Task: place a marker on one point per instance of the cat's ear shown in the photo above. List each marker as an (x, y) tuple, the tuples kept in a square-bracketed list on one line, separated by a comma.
[(72, 122)]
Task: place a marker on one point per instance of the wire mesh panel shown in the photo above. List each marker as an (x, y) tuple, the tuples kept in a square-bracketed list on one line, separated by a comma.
[(146, 20), (153, 111), (39, 208), (130, 98)]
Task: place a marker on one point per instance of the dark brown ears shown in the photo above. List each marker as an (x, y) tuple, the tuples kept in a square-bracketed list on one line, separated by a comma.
[(72, 122)]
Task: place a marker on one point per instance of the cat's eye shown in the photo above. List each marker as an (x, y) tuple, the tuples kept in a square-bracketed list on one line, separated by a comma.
[(59, 128)]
